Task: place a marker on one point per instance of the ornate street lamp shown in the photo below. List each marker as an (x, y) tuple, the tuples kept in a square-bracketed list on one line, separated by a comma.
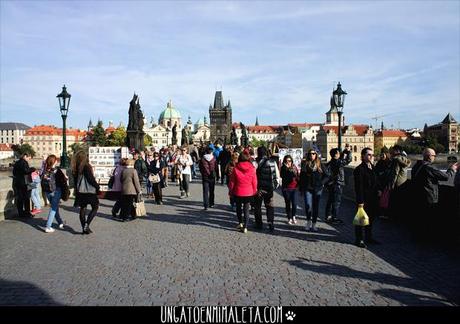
[(338, 98), (64, 100)]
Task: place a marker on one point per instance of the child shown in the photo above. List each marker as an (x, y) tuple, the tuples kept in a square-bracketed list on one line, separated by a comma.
[(35, 196)]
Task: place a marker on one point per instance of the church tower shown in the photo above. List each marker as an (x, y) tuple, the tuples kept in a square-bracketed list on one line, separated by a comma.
[(332, 116), (220, 116)]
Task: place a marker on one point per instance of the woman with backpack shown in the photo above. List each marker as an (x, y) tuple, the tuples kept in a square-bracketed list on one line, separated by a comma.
[(290, 178), (54, 184), (313, 176), (86, 189)]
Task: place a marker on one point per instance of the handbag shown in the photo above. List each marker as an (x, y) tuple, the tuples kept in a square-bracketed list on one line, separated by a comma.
[(84, 186), (361, 218), (154, 178), (139, 208), (384, 201)]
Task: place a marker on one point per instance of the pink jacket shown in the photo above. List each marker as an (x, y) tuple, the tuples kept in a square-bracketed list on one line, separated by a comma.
[(243, 181)]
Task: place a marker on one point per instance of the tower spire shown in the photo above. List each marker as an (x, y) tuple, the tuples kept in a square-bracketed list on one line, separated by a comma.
[(257, 120)]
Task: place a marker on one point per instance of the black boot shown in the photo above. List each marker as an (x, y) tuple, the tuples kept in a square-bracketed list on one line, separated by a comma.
[(359, 237)]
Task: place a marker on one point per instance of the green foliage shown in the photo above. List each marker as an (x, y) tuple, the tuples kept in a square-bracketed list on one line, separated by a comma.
[(24, 148), (412, 148), (99, 137), (432, 142), (258, 143), (117, 138), (147, 140)]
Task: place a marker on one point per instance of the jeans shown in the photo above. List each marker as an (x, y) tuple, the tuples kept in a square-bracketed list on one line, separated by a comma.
[(54, 198), (35, 196), (185, 183), (193, 167), (208, 192), (242, 208), (149, 187), (311, 202), (267, 198), (334, 199), (290, 199)]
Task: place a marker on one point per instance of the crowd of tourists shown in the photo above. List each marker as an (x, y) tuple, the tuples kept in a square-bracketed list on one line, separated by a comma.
[(252, 175)]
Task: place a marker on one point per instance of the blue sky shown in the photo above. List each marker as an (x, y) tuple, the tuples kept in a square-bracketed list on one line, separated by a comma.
[(277, 60)]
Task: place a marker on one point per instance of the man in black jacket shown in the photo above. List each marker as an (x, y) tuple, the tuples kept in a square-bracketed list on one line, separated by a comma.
[(336, 182), (425, 181), (267, 182), (21, 174), (366, 195)]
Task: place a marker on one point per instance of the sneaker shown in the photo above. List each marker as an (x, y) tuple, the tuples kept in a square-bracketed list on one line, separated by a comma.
[(49, 230), (61, 226), (313, 227), (35, 211), (245, 230), (294, 220), (240, 226), (308, 225), (211, 206), (361, 244), (328, 219), (290, 222), (205, 208), (188, 195)]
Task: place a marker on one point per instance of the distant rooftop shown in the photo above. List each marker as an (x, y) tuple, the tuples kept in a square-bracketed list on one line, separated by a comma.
[(13, 126)]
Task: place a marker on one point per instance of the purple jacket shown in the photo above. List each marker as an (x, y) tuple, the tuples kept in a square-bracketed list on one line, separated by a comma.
[(117, 186)]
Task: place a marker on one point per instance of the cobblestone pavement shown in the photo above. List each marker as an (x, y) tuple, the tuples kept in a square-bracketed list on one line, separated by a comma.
[(180, 254)]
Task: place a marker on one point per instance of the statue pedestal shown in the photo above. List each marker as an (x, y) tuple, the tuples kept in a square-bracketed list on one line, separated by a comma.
[(135, 139)]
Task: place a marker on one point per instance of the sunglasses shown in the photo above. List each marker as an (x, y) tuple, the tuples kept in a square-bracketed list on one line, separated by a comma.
[(311, 153), (288, 160)]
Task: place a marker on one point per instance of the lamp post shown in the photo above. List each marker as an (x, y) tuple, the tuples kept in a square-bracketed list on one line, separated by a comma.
[(338, 96), (64, 100)]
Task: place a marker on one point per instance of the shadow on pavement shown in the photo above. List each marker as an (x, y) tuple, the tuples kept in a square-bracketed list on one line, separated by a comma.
[(406, 298), (21, 293)]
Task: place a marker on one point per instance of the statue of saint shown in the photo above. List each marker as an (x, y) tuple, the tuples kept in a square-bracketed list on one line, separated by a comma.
[(132, 112), (244, 135), (184, 139), (174, 134), (233, 137)]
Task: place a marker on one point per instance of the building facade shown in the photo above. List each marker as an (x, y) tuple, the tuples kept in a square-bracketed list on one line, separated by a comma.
[(309, 131), (389, 137), (220, 117), (6, 151), (446, 132), (160, 135), (47, 139), (12, 133), (358, 136)]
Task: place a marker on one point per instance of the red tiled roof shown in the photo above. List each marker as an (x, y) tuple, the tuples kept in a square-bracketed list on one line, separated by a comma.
[(304, 124), (5, 148), (392, 133), (262, 129), (360, 129), (53, 130)]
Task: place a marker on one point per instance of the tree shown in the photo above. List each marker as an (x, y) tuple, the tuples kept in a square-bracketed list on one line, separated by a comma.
[(258, 143), (99, 137), (147, 140), (117, 138), (432, 142), (24, 148)]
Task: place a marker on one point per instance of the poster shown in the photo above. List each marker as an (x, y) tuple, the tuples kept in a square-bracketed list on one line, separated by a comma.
[(295, 153), (103, 160)]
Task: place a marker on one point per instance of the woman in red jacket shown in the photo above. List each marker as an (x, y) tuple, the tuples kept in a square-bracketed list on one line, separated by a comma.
[(243, 186)]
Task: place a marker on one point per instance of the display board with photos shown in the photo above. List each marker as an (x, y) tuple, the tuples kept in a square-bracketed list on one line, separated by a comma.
[(295, 153), (104, 160)]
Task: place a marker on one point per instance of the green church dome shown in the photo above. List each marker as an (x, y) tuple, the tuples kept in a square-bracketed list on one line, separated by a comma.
[(169, 113)]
